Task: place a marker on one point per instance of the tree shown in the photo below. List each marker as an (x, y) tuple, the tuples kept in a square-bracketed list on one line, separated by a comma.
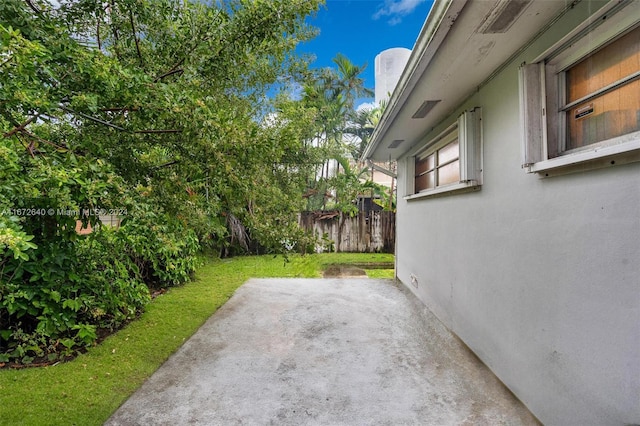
[(341, 135), (349, 84), (361, 125), (150, 108), (331, 93)]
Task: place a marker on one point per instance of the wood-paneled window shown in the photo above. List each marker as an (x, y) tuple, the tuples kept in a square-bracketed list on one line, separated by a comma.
[(449, 162), (580, 100), (603, 93), (439, 167)]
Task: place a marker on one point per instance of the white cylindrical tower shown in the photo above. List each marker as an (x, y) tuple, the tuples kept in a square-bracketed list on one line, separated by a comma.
[(389, 66)]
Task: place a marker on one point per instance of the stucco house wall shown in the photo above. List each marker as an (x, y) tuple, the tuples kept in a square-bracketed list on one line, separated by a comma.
[(540, 277)]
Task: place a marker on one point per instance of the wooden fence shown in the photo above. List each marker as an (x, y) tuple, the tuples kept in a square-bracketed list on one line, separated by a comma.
[(372, 231)]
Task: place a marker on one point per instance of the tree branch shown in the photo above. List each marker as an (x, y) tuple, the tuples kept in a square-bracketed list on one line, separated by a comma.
[(88, 117), (32, 6), (98, 34), (125, 109), (114, 29), (20, 127), (6, 61), (135, 37), (106, 123), (170, 163), (167, 74), (159, 131), (38, 138), (28, 147)]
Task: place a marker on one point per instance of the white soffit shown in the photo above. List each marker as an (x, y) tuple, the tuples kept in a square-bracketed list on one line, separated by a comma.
[(470, 45)]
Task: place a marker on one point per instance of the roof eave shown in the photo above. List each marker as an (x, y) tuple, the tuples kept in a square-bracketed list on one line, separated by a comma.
[(438, 23)]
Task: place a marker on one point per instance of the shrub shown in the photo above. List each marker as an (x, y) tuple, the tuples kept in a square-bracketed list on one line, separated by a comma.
[(163, 250), (67, 294), (57, 302)]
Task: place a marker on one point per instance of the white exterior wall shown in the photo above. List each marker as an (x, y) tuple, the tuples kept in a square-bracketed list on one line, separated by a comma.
[(539, 277), (389, 65)]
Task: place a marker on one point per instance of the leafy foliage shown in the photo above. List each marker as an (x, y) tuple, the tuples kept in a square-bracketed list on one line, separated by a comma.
[(341, 135), (154, 109)]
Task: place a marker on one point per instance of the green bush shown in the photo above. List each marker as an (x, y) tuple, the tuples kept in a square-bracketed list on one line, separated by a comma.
[(56, 303), (68, 294), (117, 290), (162, 249)]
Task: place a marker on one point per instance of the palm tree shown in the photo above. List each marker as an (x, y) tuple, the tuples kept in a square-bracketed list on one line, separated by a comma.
[(349, 81), (354, 182), (361, 127), (332, 93)]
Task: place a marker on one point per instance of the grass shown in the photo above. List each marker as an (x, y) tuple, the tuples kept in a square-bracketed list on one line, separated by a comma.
[(362, 259), (87, 390), (381, 273)]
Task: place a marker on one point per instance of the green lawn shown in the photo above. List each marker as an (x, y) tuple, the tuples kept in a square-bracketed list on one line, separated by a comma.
[(381, 273), (88, 389)]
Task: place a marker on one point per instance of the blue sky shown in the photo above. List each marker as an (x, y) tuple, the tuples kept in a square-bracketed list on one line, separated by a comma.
[(360, 29)]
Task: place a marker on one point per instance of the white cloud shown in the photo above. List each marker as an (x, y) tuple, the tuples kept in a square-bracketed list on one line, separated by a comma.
[(396, 9), (366, 105)]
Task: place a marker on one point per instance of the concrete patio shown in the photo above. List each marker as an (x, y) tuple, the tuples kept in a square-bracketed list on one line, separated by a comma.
[(323, 352)]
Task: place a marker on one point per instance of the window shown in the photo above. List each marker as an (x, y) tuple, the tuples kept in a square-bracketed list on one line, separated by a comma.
[(580, 101), (440, 166), (449, 162), (602, 96)]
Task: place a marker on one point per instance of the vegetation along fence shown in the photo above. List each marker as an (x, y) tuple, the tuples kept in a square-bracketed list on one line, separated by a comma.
[(372, 231)]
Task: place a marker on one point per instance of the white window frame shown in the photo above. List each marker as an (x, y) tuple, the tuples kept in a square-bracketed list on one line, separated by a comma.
[(541, 85), (468, 129)]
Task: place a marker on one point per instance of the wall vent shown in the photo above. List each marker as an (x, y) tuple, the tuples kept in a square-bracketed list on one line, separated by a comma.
[(395, 143), (424, 109), (502, 17)]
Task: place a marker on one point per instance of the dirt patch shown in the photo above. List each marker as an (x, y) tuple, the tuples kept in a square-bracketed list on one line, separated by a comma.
[(369, 265), (337, 271)]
